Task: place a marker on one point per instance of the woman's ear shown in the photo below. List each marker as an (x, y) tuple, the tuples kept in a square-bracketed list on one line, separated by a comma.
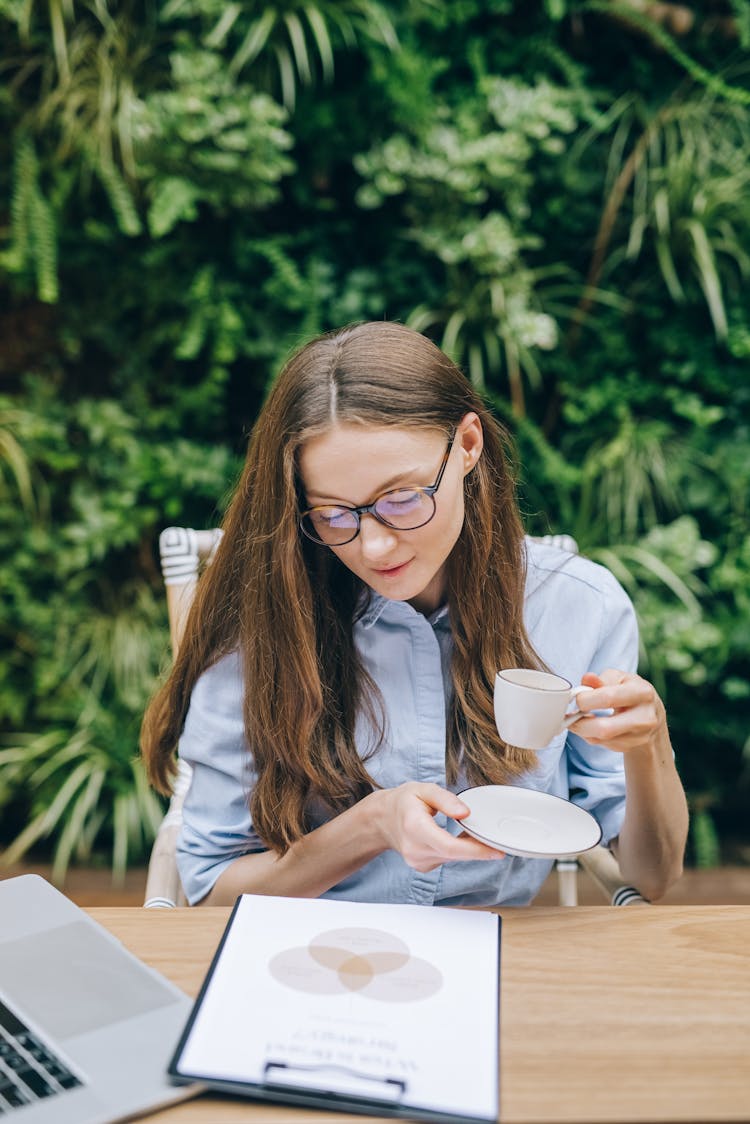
[(470, 439)]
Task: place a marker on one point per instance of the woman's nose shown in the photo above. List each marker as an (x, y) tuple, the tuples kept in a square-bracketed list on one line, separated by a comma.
[(376, 541)]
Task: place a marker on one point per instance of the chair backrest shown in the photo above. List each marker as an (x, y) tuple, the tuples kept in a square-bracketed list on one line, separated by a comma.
[(183, 551)]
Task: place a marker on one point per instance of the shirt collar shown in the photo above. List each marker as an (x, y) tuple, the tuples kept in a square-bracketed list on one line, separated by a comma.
[(375, 605)]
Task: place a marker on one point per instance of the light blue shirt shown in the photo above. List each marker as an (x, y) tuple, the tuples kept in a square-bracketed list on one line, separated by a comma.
[(578, 619)]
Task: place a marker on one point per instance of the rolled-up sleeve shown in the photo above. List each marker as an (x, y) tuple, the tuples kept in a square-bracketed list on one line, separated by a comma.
[(216, 827), (596, 775)]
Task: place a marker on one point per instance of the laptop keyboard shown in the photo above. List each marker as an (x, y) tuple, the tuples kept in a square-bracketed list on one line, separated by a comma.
[(29, 1071)]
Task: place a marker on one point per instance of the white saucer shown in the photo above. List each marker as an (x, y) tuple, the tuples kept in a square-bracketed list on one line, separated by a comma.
[(522, 821)]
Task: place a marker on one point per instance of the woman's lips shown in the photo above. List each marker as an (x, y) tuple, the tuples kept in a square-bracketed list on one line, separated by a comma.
[(393, 571)]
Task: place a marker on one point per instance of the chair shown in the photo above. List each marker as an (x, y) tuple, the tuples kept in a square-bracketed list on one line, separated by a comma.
[(183, 552), (602, 868)]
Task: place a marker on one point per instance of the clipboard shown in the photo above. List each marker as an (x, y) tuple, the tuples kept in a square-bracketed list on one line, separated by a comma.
[(370, 1008)]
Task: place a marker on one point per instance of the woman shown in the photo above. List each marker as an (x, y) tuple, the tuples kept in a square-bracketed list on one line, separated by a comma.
[(334, 688)]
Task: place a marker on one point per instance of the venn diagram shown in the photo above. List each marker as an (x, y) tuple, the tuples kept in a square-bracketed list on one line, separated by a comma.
[(371, 962)]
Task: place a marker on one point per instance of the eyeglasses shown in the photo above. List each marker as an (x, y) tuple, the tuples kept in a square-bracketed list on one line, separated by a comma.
[(404, 509)]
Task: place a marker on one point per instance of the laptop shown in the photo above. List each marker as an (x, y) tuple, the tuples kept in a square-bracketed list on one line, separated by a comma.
[(86, 1029)]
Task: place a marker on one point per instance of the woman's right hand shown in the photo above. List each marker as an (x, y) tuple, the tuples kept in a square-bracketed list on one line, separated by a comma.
[(405, 820)]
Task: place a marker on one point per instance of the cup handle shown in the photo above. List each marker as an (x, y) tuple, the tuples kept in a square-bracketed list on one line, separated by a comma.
[(571, 718)]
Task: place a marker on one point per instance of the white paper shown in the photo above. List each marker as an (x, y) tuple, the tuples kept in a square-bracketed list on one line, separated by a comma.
[(355, 998)]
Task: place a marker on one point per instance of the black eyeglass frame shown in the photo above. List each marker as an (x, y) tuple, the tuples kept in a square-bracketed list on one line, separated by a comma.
[(369, 508)]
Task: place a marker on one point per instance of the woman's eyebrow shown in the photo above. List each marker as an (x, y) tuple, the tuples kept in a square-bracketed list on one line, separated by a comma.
[(400, 478)]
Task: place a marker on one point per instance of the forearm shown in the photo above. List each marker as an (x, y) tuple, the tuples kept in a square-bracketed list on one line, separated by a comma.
[(311, 866), (651, 844), (400, 819)]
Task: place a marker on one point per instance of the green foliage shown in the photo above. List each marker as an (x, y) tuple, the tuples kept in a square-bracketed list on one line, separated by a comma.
[(689, 197), (465, 181), (85, 627), (662, 572), (557, 193), (293, 41), (208, 140), (704, 840), (700, 74), (34, 236)]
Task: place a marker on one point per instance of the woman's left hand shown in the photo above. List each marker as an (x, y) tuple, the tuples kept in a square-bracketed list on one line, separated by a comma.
[(638, 720), (651, 841)]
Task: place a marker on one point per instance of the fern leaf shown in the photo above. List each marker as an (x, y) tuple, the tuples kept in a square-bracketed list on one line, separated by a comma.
[(120, 198), (174, 200), (45, 249)]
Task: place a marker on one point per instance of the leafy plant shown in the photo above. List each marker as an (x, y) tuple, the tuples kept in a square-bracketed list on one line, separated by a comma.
[(465, 183), (79, 800), (85, 638), (684, 177), (14, 465), (293, 38)]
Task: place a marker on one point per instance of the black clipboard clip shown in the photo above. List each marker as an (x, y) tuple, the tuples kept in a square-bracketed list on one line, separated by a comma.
[(333, 1080)]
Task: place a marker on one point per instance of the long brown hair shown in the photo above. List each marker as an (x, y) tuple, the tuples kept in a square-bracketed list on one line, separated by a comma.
[(288, 606)]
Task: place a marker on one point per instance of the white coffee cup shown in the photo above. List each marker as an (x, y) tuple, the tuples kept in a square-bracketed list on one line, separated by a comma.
[(532, 707)]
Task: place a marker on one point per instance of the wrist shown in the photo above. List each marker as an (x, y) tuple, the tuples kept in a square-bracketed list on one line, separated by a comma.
[(654, 753), (370, 815)]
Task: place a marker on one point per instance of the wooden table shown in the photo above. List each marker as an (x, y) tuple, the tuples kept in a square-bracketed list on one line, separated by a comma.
[(606, 1014)]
